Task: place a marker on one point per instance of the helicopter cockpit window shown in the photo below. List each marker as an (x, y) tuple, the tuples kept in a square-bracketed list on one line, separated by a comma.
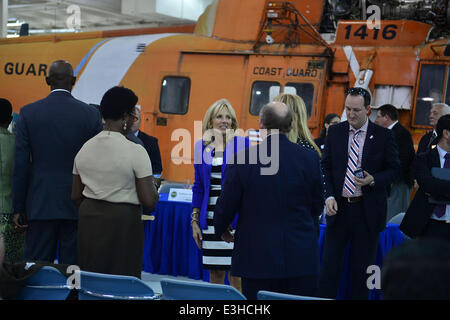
[(303, 90), (431, 86), (262, 93), (175, 95)]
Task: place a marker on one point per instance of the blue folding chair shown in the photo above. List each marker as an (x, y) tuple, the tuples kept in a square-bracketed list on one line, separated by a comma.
[(99, 286), (46, 284), (173, 289), (269, 295)]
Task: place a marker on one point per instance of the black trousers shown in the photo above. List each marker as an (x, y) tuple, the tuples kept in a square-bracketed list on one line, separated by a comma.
[(304, 286), (43, 236), (348, 227)]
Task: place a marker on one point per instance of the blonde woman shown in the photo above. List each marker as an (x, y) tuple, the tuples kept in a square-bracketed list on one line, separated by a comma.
[(300, 133), (218, 146)]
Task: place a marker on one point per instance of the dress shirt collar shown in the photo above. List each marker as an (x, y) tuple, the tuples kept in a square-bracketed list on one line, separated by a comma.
[(362, 129), (442, 154), (392, 125), (64, 90), (136, 133)]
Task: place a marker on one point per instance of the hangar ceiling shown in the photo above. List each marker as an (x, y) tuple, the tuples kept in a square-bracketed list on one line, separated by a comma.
[(44, 17)]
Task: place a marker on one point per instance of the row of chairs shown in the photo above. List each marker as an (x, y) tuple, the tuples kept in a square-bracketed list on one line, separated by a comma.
[(49, 284)]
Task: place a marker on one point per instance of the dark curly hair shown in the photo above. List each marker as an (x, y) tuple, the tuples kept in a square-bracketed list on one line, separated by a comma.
[(117, 102)]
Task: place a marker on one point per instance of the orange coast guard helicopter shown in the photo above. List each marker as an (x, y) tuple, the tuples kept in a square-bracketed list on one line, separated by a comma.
[(248, 52)]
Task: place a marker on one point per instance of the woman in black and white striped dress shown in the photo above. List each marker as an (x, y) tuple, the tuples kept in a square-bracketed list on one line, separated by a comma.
[(216, 252), (219, 138)]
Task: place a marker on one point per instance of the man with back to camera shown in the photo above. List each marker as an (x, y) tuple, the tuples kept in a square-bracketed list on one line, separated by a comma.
[(276, 241), (400, 190), (429, 141), (425, 219), (49, 133), (355, 202)]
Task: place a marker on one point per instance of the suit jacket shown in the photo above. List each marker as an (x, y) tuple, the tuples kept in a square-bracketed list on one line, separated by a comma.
[(130, 136), (406, 152), (151, 145), (420, 210), (379, 158), (320, 142), (425, 142), (202, 166), (50, 132), (275, 235)]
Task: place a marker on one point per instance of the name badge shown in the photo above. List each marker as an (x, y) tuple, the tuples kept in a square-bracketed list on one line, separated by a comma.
[(180, 195)]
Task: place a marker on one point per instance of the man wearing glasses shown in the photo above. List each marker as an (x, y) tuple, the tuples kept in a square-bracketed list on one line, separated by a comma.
[(356, 192), (131, 136), (429, 140), (150, 144)]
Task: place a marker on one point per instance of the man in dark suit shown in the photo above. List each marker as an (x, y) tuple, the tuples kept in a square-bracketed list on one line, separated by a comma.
[(429, 141), (150, 144), (49, 134), (400, 190), (360, 161), (276, 242), (425, 219)]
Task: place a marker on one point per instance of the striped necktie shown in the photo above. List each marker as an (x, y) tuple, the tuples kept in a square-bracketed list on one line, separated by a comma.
[(349, 182)]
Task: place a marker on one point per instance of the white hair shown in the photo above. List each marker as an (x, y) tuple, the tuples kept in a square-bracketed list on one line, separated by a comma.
[(445, 107)]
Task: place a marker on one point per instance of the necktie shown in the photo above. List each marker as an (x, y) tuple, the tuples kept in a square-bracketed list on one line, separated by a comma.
[(349, 182), (430, 143), (439, 210)]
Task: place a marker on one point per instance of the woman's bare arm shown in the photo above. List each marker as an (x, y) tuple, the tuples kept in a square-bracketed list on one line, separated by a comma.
[(147, 193)]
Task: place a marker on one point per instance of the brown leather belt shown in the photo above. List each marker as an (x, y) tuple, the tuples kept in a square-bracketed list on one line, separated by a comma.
[(353, 199)]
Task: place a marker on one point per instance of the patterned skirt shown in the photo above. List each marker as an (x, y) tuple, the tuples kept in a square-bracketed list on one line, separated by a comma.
[(14, 240)]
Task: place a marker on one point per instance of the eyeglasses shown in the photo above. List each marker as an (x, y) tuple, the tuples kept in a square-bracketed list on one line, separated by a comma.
[(135, 119), (359, 91)]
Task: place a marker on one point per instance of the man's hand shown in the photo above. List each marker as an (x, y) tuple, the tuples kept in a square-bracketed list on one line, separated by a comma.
[(227, 236), (364, 181), (331, 207), (157, 182), (17, 225)]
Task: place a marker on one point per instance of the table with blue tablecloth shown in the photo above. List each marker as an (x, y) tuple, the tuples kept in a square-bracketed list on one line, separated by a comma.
[(170, 249)]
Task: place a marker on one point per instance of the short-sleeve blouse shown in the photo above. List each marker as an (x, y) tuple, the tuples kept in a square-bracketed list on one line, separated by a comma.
[(108, 165)]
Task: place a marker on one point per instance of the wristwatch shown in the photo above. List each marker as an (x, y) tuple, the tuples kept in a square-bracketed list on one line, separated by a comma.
[(372, 184), (194, 217)]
